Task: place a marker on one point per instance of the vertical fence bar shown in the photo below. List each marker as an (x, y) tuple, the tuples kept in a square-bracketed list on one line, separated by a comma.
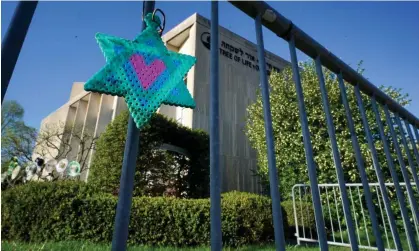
[(360, 165), (415, 130), (302, 215), (13, 41), (417, 160), (363, 216), (409, 155), (356, 222), (307, 212), (321, 203), (308, 149), (297, 231), (330, 215), (378, 171), (273, 177), (215, 186), (123, 209), (403, 168), (413, 143), (399, 192), (336, 157), (337, 214), (382, 217)]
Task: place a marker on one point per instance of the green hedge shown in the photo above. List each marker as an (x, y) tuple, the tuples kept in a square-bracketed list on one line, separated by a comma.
[(35, 210), (75, 211)]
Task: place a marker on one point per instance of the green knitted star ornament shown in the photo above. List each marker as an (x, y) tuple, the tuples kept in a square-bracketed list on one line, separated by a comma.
[(143, 71), (111, 46)]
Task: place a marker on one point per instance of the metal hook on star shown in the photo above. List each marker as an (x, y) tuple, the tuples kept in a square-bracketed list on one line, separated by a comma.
[(162, 24)]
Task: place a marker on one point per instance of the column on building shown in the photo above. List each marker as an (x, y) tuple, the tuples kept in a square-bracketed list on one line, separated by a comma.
[(104, 115), (77, 127), (87, 133)]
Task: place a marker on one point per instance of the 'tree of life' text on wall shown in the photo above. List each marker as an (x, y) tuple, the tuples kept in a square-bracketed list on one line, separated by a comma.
[(237, 54)]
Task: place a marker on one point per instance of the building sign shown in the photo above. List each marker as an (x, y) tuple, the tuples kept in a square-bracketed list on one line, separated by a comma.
[(236, 54)]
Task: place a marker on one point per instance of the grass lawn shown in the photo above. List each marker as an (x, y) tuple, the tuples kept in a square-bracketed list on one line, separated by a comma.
[(78, 245)]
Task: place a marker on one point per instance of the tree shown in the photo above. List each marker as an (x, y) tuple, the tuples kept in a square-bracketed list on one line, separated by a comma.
[(11, 114), (17, 139), (289, 149)]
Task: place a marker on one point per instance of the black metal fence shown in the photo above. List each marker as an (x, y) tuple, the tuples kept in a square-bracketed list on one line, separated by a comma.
[(265, 15), (395, 116)]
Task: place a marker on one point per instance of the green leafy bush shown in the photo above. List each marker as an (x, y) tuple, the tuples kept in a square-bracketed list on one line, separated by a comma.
[(37, 211), (289, 148), (157, 172), (305, 213), (65, 211)]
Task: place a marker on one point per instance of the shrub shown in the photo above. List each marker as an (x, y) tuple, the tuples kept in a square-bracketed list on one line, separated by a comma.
[(305, 213), (156, 171), (64, 211), (35, 210)]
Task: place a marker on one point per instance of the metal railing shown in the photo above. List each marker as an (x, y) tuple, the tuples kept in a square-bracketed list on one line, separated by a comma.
[(265, 15), (335, 222)]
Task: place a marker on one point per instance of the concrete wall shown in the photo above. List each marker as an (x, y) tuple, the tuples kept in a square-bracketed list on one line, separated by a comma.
[(76, 89), (59, 116)]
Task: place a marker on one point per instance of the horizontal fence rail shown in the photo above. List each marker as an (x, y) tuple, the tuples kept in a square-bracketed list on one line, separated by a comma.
[(284, 27), (335, 222)]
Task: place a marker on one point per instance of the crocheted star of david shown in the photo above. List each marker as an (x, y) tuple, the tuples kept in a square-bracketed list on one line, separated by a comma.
[(144, 72)]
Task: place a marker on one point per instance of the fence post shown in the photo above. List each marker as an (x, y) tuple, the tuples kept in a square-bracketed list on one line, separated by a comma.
[(123, 210), (273, 177), (13, 41), (308, 149), (378, 171), (215, 187)]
